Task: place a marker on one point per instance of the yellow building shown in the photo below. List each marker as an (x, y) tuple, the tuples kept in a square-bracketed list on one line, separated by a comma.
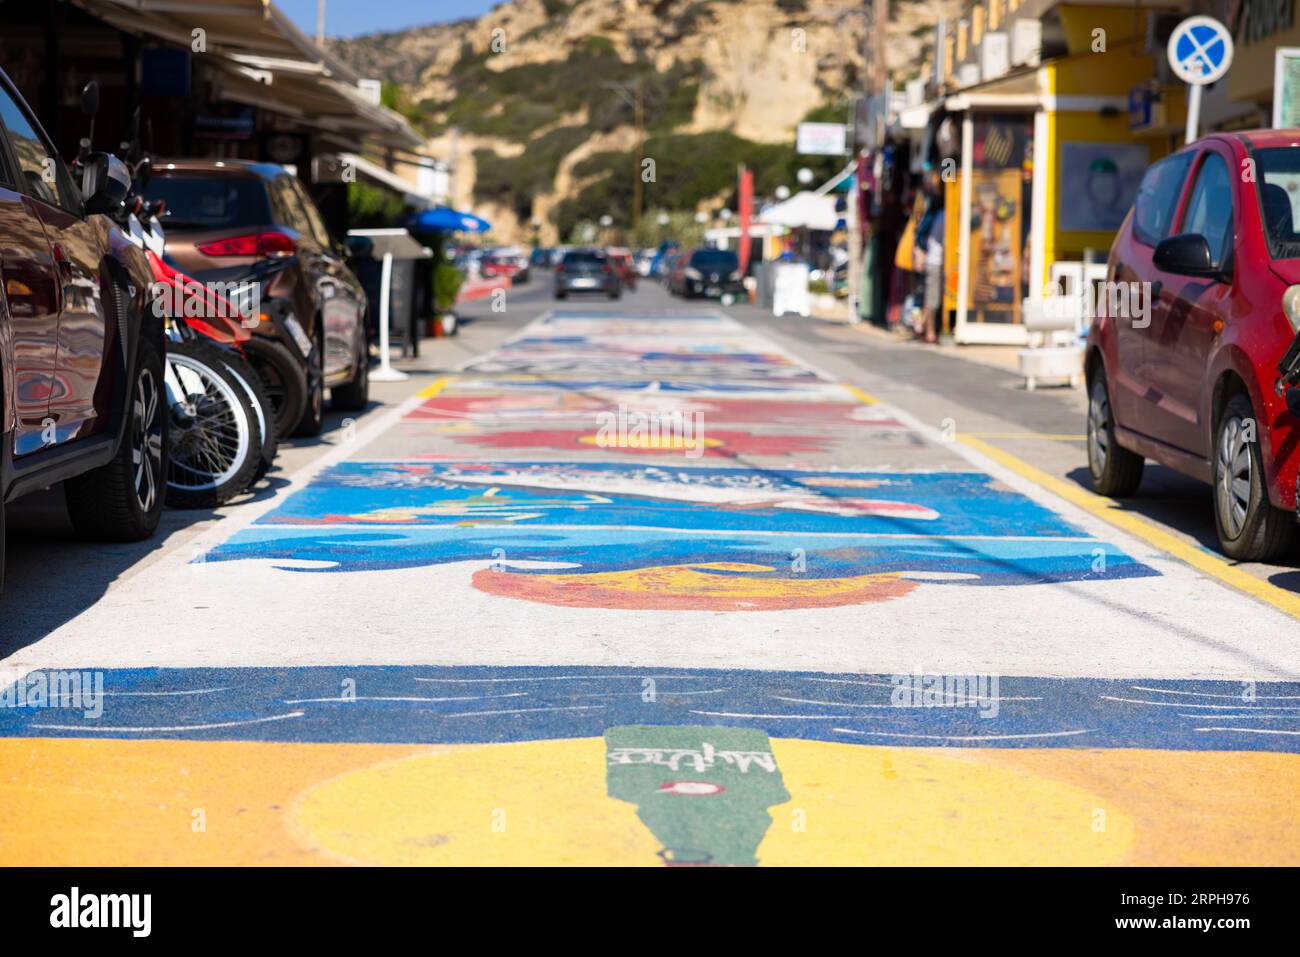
[(1045, 115)]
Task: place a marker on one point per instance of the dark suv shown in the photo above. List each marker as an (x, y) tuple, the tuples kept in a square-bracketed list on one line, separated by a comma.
[(231, 221), (712, 273), (82, 397), (587, 270)]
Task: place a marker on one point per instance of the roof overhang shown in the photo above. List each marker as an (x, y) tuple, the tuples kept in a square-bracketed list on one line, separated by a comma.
[(265, 61)]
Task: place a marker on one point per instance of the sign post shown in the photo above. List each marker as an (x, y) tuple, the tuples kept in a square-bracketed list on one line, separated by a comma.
[(1200, 52)]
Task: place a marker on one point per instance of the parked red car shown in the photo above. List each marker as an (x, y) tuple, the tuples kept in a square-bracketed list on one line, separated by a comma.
[(1192, 381), (510, 264)]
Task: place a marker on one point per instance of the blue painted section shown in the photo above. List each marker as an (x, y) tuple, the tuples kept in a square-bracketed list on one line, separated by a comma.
[(986, 562), (966, 503), (487, 704)]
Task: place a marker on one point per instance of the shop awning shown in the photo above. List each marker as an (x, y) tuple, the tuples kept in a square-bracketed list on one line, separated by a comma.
[(410, 194), (399, 242), (264, 60), (803, 210), (840, 182), (444, 219)]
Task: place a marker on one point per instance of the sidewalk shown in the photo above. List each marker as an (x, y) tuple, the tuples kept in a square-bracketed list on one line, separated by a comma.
[(1006, 358)]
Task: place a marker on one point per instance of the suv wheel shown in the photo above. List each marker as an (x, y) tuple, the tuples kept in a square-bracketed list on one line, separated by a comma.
[(313, 416), (354, 396), (1250, 528), (123, 500), (1116, 472)]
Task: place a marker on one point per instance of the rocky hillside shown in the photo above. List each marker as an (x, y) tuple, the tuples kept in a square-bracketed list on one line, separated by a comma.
[(533, 100)]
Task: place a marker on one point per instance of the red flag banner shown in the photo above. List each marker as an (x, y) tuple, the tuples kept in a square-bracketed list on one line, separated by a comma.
[(746, 211)]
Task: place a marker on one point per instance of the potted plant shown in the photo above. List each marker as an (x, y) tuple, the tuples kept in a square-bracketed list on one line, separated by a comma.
[(447, 280)]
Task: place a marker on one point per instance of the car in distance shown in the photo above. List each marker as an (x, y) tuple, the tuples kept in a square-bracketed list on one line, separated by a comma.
[(82, 395), (1202, 299), (622, 258), (235, 221), (509, 263), (708, 273), (587, 270)]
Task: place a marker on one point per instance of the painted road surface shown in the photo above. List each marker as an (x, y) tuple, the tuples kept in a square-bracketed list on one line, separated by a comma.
[(642, 588)]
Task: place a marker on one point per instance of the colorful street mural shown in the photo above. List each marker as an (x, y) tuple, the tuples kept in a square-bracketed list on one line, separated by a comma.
[(620, 592), (746, 532)]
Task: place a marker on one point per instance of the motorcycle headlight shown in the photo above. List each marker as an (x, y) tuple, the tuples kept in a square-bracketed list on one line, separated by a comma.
[(1291, 306)]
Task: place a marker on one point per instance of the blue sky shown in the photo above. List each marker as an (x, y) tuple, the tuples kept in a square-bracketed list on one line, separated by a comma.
[(349, 18)]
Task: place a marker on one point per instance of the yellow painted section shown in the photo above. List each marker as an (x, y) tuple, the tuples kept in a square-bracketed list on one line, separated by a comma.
[(84, 802), (434, 389), (74, 801), (854, 805), (863, 397), (537, 802), (1114, 513)]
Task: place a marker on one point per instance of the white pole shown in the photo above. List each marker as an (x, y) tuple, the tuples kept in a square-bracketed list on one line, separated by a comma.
[(1038, 213), (385, 372), (963, 226), (1193, 111)]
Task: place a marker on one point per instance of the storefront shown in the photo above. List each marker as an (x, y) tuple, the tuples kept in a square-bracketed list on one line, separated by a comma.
[(1042, 159), (235, 80), (1259, 29)]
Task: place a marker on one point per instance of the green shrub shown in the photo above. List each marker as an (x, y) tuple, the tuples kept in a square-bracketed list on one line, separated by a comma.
[(370, 207), (447, 280)]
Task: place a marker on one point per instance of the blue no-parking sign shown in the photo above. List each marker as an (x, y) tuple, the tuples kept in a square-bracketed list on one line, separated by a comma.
[(1200, 52)]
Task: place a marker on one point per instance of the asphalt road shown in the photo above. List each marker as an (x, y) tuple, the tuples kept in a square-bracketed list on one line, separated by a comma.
[(654, 582)]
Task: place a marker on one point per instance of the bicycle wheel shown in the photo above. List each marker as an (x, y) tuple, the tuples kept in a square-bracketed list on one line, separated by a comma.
[(265, 412), (215, 446)]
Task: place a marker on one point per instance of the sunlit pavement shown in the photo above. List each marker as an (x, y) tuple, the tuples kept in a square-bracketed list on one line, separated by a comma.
[(504, 621)]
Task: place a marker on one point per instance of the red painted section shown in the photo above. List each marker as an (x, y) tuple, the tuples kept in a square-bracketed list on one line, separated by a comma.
[(481, 288)]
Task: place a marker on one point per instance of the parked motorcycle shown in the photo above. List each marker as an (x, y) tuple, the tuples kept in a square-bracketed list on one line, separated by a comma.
[(223, 434), (222, 437)]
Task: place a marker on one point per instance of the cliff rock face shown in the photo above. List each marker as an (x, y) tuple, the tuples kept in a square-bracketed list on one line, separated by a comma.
[(533, 81)]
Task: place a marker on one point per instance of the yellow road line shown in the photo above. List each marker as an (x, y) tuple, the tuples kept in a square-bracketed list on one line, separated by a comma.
[(1113, 512), (433, 388), (1020, 436), (861, 396)]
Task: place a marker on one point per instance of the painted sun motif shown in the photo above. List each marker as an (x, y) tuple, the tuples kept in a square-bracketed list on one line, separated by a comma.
[(708, 586)]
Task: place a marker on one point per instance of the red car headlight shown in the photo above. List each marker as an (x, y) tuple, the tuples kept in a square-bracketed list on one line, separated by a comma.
[(1291, 306)]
